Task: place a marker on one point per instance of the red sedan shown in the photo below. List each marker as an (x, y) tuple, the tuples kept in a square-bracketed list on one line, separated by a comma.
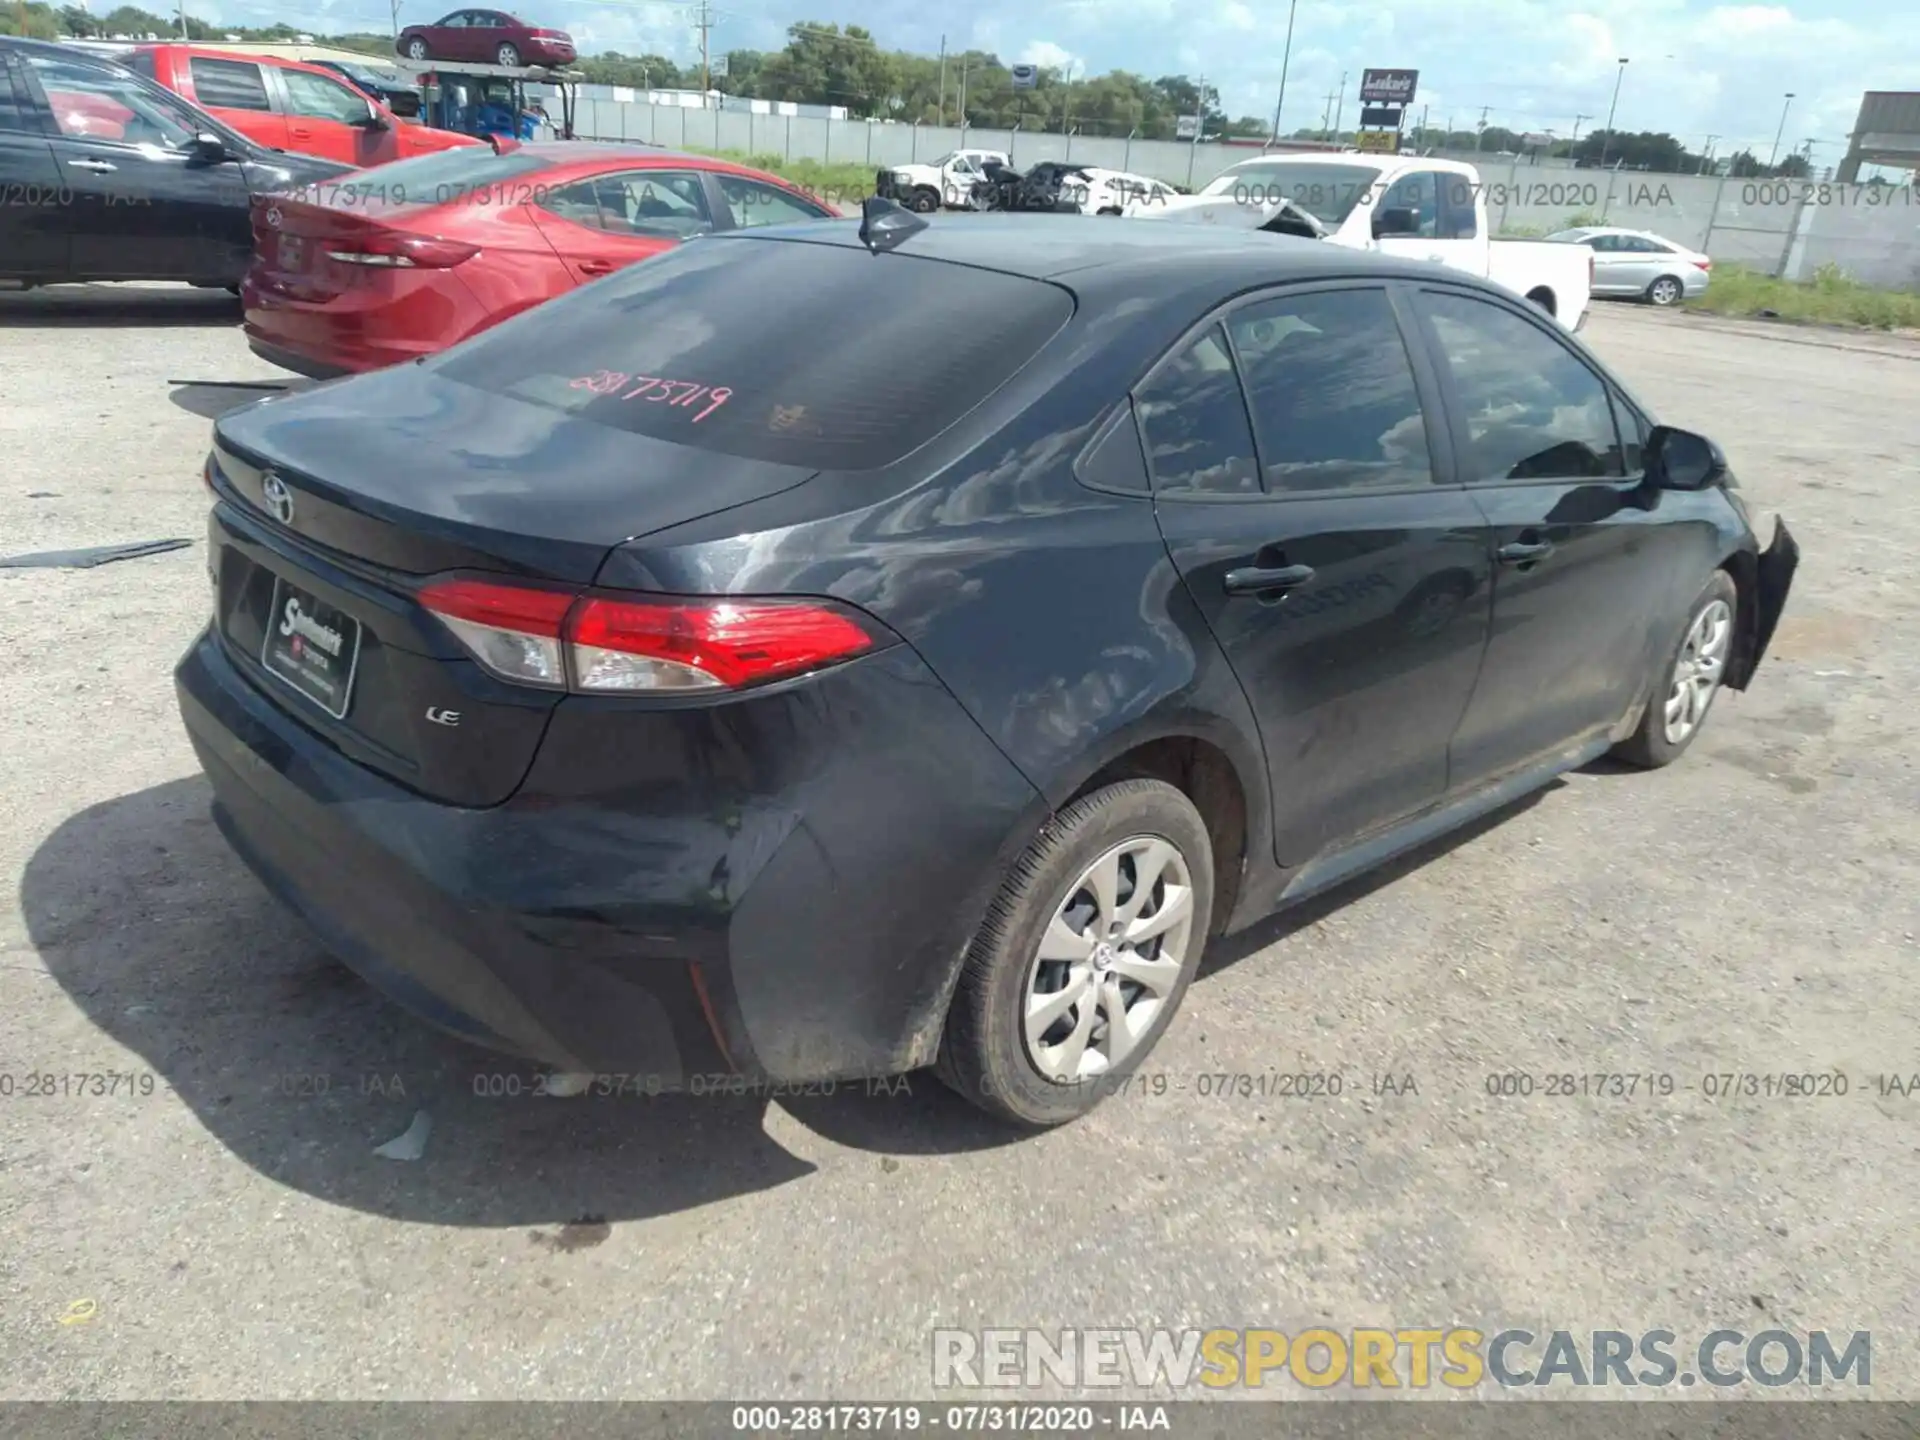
[(389, 264), (486, 37)]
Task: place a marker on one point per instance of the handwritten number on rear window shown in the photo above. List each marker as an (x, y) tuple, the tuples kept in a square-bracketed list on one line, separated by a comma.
[(657, 389)]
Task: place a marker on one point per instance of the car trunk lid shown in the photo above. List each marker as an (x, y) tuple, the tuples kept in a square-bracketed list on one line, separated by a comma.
[(340, 503)]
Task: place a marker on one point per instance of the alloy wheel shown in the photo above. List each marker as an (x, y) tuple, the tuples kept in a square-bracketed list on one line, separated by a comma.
[(1697, 671), (1665, 291), (1110, 961), (417, 49)]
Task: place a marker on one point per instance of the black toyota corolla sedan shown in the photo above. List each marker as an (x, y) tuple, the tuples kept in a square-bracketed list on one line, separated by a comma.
[(795, 658)]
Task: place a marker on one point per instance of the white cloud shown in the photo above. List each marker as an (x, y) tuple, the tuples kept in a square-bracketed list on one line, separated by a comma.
[(1049, 56)]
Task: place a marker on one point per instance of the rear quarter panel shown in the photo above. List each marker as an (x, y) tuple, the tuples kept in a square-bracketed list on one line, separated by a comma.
[(1524, 265), (1052, 612)]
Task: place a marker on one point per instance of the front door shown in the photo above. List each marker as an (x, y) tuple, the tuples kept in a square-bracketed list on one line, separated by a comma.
[(330, 119), (1302, 479), (143, 205), (1582, 547), (1431, 215)]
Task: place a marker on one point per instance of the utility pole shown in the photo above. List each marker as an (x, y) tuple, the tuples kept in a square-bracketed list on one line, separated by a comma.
[(1340, 105), (703, 19), (396, 19), (943, 81), (1481, 131), (1326, 117), (1774, 153), (1199, 112), (1426, 138), (183, 21), (1707, 154), (1285, 55), (1578, 121), (963, 92), (1607, 139)]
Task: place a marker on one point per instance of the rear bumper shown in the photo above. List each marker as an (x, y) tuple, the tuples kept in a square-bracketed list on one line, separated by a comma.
[(390, 321), (292, 360), (779, 889)]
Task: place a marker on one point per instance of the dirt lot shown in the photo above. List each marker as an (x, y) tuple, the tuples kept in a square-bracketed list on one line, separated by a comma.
[(1752, 910)]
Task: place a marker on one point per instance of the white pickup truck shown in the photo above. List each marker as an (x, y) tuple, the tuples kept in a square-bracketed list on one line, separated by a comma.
[(1421, 208), (948, 181)]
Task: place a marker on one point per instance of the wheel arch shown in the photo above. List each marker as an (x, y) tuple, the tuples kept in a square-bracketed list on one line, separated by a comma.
[(1543, 296)]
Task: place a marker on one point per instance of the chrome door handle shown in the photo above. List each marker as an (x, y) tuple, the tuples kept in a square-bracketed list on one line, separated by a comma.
[(92, 165)]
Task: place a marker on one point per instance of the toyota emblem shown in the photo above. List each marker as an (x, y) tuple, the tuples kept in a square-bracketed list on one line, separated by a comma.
[(273, 216), (279, 499)]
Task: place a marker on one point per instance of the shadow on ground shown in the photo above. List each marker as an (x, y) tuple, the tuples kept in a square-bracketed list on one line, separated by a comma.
[(1295, 918), (163, 939), (89, 306)]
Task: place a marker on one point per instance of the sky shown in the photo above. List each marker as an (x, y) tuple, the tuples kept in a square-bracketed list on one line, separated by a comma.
[(1694, 69)]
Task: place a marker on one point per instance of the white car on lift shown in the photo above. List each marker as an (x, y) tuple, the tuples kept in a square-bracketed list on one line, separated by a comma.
[(1413, 206)]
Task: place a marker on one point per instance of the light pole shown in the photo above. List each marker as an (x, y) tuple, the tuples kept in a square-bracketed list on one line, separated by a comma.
[(1708, 155), (1339, 107), (1607, 139), (1773, 154), (1285, 55), (1578, 120)]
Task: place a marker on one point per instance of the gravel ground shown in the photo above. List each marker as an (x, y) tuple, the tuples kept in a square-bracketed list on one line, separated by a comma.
[(231, 1234)]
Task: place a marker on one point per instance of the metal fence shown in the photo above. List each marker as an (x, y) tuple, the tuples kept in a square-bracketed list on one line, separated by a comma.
[(1788, 227)]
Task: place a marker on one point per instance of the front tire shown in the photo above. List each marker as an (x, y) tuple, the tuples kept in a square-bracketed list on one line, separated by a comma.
[(1083, 957), (1666, 291), (1688, 681), (924, 201), (417, 49)]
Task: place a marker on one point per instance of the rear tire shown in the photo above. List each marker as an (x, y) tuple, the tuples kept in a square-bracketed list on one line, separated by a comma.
[(1666, 291), (508, 55), (1689, 679), (1104, 918)]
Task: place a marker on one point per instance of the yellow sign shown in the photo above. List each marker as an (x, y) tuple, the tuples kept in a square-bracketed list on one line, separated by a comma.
[(1385, 141)]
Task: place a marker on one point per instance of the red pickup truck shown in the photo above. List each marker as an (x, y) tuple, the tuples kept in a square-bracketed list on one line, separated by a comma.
[(290, 106)]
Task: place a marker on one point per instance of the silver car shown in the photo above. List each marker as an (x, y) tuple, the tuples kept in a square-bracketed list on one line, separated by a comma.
[(1645, 266)]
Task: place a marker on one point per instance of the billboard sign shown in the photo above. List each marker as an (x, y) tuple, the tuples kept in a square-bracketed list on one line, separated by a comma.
[(1187, 127), (1386, 142), (1025, 77), (1388, 87), (1381, 116)]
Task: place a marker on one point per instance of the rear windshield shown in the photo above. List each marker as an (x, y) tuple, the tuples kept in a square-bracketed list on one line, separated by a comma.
[(805, 354), (444, 177)]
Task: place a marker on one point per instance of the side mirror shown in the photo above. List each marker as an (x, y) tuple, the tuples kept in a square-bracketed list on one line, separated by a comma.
[(208, 148), (1682, 460), (373, 119), (1395, 222)]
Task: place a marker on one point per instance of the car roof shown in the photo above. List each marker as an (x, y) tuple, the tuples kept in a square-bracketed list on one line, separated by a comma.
[(1050, 247), (193, 49)]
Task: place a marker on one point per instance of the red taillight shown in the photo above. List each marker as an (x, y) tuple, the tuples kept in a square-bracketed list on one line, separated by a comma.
[(1704, 263), (605, 644), (704, 645), (394, 250)]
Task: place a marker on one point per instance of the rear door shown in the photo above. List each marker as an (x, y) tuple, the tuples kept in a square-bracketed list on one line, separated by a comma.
[(1613, 265), (236, 91), (744, 204), (604, 223), (1302, 477), (142, 206), (1584, 551), (35, 207), (329, 118)]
